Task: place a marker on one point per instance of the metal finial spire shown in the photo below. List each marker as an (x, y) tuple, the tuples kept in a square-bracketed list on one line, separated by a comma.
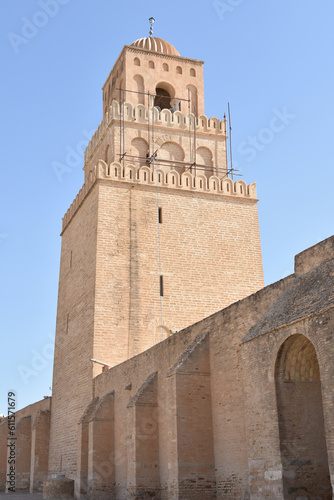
[(151, 19)]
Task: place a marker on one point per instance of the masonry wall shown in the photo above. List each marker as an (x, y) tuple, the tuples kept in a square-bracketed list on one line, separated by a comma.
[(74, 334), (125, 70), (289, 420), (239, 408), (263, 404), (207, 351), (25, 429), (209, 257)]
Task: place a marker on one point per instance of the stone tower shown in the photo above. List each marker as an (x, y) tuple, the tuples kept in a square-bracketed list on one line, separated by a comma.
[(159, 236)]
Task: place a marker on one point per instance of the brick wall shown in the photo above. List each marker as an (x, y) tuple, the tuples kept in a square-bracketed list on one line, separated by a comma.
[(74, 335)]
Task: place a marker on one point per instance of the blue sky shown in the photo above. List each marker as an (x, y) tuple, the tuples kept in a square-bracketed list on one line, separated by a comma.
[(273, 61)]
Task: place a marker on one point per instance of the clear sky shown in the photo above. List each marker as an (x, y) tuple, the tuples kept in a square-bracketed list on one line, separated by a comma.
[(273, 61)]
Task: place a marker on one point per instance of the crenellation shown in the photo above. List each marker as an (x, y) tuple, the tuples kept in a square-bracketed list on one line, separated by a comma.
[(151, 176), (139, 113)]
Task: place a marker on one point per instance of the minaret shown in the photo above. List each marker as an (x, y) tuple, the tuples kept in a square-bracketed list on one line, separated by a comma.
[(158, 237)]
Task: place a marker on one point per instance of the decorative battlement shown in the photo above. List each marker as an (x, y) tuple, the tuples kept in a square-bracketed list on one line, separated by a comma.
[(153, 176), (165, 118)]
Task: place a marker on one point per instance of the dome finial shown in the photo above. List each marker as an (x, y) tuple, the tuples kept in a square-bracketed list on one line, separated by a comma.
[(151, 19)]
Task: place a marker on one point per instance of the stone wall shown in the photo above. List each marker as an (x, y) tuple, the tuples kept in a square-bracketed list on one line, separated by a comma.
[(206, 414), (30, 443)]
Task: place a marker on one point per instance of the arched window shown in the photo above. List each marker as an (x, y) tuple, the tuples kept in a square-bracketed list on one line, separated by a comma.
[(165, 93), (192, 72), (165, 67), (179, 70), (136, 61), (162, 98), (151, 64)]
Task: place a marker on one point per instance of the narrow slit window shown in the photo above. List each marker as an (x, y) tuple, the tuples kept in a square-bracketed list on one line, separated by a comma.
[(161, 285), (160, 215)]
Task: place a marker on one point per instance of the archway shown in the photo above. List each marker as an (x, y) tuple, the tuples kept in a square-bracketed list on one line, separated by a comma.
[(301, 421), (164, 94)]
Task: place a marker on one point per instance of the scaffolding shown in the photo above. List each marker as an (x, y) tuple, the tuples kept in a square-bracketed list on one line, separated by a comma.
[(152, 157)]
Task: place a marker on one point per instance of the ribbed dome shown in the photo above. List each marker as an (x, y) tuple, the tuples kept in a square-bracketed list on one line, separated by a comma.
[(155, 45)]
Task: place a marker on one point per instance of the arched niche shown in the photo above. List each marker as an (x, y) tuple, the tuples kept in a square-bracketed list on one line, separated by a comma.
[(171, 152), (139, 149), (204, 157), (301, 421), (140, 88)]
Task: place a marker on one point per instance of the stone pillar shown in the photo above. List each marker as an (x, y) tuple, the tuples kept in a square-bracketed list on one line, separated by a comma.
[(40, 450), (101, 450), (143, 442), (81, 486)]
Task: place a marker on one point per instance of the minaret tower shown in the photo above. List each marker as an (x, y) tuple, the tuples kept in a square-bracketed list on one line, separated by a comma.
[(158, 237)]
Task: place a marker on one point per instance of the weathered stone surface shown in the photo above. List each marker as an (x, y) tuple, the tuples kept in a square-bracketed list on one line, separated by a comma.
[(58, 488), (311, 293)]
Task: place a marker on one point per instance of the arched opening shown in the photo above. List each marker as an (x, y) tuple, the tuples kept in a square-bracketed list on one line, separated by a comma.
[(162, 99), (151, 64), (164, 94), (140, 88), (301, 421), (136, 61)]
